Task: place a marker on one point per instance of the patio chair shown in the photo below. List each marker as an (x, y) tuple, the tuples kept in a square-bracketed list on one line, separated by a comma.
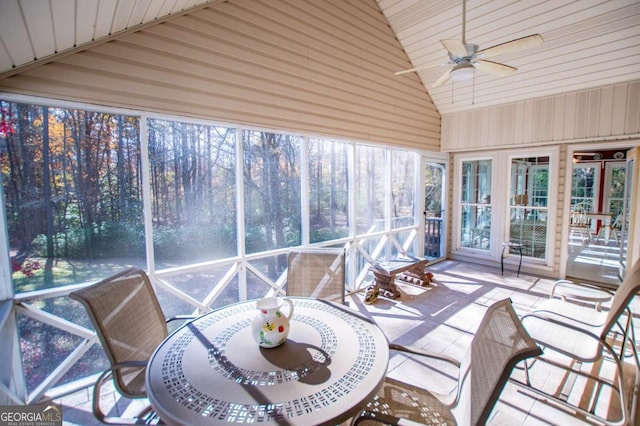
[(317, 273), (614, 228), (128, 319), (583, 335), (498, 345), (579, 222)]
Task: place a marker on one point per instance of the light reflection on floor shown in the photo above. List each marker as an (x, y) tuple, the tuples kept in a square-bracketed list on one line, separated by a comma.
[(594, 258)]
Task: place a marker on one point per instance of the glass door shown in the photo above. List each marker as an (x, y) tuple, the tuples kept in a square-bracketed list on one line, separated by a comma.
[(434, 217), (592, 255), (629, 210)]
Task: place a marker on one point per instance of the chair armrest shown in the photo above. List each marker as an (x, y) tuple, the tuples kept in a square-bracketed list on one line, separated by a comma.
[(440, 357), (560, 283), (566, 325), (570, 284), (559, 323), (180, 318), (384, 419)]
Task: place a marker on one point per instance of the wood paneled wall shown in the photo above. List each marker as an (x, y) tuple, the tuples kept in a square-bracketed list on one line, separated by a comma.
[(599, 114), (320, 67)]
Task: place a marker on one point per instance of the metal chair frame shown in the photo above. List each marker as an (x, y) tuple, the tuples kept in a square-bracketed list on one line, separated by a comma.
[(594, 330), (498, 345), (128, 319)]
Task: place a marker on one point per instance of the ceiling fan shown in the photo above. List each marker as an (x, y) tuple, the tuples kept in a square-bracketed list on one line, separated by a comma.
[(465, 57)]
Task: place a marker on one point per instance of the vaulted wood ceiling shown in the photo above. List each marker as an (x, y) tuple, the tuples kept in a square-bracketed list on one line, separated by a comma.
[(588, 43)]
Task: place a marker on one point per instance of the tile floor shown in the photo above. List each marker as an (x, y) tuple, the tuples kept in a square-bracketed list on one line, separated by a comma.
[(441, 318), (594, 260)]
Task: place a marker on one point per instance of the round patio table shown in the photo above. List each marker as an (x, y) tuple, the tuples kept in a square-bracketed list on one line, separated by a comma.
[(211, 371)]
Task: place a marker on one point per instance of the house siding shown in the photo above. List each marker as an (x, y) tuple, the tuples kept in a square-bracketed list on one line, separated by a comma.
[(601, 114), (302, 66)]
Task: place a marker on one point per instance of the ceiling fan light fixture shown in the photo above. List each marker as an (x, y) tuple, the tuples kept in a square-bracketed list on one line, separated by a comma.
[(462, 72)]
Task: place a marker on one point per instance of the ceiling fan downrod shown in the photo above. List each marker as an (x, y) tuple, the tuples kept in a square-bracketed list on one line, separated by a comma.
[(464, 21)]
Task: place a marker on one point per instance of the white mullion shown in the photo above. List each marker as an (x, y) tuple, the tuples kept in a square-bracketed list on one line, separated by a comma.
[(262, 276), (411, 238), (9, 394), (6, 283), (388, 199), (55, 321), (222, 284), (304, 192), (146, 197), (351, 267), (240, 217), (10, 352), (418, 206), (59, 371), (182, 295)]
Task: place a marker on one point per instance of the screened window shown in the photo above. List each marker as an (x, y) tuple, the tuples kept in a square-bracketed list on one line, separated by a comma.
[(475, 229), (272, 190), (73, 194), (73, 188), (85, 197), (403, 182), (369, 188), (328, 197), (193, 192)]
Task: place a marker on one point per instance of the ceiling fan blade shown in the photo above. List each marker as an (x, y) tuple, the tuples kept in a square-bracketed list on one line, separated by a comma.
[(422, 67), (455, 47), (442, 80), (511, 46), (494, 68)]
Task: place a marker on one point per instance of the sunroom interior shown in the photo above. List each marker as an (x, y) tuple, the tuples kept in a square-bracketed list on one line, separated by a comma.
[(201, 140)]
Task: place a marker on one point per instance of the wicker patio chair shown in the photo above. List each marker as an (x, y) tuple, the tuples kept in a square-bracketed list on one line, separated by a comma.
[(316, 272), (586, 335), (128, 319), (498, 345)]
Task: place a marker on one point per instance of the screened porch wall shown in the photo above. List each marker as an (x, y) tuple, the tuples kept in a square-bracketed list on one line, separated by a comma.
[(325, 68), (596, 118), (604, 114)]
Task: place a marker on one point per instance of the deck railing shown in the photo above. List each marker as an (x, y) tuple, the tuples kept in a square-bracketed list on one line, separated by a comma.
[(432, 233), (361, 252)]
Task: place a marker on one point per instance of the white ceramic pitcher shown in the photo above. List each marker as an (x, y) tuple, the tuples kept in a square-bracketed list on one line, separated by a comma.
[(270, 327)]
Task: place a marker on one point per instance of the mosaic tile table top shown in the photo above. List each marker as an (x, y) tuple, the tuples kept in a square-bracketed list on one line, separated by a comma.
[(211, 370)]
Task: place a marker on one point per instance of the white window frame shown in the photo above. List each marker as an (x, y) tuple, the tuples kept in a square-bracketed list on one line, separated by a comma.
[(457, 205), (500, 205), (608, 171), (552, 200)]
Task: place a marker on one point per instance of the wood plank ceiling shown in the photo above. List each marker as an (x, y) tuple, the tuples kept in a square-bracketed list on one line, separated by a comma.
[(588, 43)]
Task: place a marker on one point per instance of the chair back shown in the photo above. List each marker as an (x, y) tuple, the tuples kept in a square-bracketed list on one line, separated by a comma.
[(499, 344), (317, 273), (622, 297), (128, 319), (579, 217)]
